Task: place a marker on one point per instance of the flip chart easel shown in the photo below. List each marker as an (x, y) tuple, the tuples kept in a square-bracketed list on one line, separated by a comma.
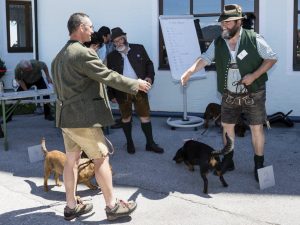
[(183, 49)]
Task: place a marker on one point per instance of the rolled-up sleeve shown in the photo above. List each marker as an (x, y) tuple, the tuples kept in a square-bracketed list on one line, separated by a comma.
[(264, 50), (209, 55)]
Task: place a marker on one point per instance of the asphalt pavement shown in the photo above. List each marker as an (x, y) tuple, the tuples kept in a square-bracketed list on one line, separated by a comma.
[(166, 192)]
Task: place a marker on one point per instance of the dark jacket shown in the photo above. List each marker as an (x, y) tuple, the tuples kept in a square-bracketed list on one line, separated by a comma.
[(140, 62)]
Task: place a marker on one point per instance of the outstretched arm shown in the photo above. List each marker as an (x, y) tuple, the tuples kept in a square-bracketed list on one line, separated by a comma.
[(198, 65)]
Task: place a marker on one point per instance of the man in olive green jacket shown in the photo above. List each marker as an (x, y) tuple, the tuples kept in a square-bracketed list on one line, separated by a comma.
[(82, 108)]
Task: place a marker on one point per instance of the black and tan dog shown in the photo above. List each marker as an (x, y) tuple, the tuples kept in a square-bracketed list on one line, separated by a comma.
[(54, 163), (213, 113), (197, 153)]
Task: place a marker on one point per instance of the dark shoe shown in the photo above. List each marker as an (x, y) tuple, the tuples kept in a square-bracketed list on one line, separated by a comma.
[(49, 117), (79, 210), (121, 209), (258, 164), (227, 163), (154, 148), (130, 148)]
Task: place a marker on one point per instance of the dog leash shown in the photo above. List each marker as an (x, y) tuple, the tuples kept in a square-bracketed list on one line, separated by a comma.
[(84, 165), (214, 120), (110, 146)]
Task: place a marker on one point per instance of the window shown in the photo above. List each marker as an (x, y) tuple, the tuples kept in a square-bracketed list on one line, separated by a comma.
[(19, 26), (206, 15), (296, 46)]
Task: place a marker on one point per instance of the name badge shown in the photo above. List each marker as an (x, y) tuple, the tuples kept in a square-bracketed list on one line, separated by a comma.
[(242, 54)]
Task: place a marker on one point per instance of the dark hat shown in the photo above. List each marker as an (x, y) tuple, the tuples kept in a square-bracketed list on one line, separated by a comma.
[(103, 31), (116, 32), (231, 12)]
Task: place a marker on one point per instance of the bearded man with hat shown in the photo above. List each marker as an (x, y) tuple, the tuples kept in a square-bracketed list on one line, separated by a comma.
[(242, 60), (132, 61)]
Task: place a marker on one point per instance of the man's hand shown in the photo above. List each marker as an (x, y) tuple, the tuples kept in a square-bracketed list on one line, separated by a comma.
[(144, 85), (198, 65), (248, 79), (184, 78)]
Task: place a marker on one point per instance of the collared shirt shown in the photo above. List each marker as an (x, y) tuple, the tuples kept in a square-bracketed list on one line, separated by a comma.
[(128, 70), (105, 50), (264, 50)]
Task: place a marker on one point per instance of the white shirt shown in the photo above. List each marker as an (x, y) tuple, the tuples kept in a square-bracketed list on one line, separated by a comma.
[(128, 70)]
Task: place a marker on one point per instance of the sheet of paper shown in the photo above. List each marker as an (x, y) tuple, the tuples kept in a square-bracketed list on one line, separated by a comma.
[(266, 177), (182, 44), (35, 153)]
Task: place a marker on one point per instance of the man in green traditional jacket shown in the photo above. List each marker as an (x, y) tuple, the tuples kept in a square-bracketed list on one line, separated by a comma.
[(242, 59), (82, 109)]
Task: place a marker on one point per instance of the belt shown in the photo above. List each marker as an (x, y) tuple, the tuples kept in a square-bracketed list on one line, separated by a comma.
[(241, 94), (233, 66), (239, 99)]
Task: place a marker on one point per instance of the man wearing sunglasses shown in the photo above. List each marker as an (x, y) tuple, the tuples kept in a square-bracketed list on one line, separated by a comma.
[(242, 60)]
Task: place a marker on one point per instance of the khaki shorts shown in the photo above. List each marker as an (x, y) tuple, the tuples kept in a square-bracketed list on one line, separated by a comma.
[(89, 140)]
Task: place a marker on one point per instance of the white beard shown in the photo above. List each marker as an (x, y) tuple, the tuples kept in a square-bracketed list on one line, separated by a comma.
[(121, 48)]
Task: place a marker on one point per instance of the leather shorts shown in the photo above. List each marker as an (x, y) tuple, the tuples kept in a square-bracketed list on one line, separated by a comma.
[(140, 103), (252, 105)]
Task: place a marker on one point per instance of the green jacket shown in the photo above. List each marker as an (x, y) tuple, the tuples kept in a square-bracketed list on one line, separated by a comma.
[(79, 77), (248, 64)]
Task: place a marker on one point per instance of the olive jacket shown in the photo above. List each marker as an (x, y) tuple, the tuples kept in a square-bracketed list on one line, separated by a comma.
[(79, 79)]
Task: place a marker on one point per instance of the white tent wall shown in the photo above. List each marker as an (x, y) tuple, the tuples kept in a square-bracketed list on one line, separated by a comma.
[(139, 19)]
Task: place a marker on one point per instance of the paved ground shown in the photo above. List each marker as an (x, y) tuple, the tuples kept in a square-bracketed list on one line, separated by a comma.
[(166, 193)]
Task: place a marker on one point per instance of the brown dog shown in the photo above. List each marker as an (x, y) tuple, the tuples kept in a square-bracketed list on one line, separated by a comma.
[(213, 112), (55, 161)]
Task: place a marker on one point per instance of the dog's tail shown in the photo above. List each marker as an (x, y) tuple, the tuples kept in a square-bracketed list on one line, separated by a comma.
[(43, 146), (227, 148)]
